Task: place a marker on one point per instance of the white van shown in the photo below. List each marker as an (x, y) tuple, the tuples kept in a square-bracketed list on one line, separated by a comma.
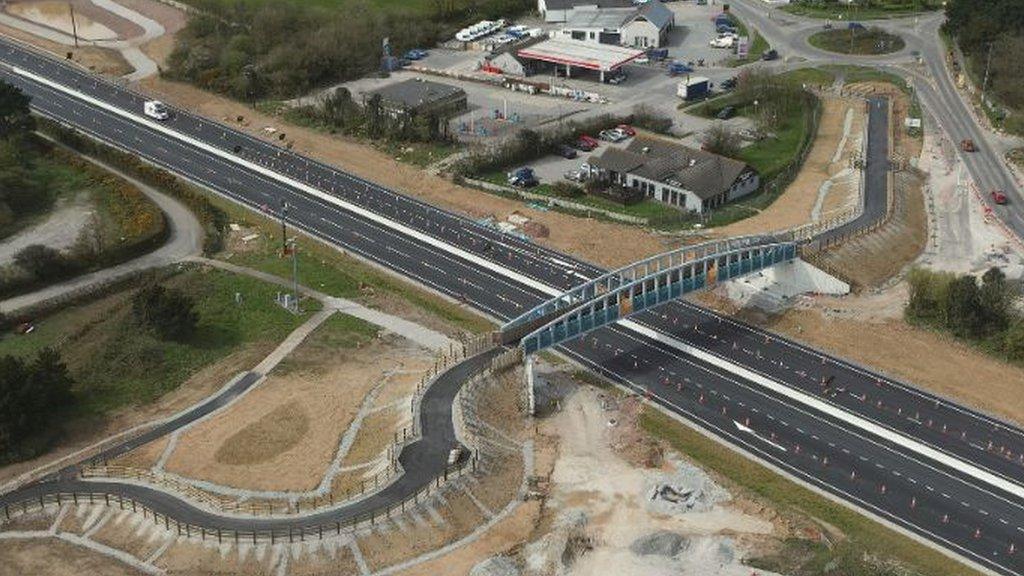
[(156, 109)]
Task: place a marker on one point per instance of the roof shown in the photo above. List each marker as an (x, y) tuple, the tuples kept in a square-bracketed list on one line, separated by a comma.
[(582, 54), (656, 13), (703, 173), (416, 92), (608, 18), (570, 4)]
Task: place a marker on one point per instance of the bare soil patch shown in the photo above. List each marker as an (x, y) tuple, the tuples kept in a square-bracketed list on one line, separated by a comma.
[(601, 242), (53, 557), (145, 456), (99, 60), (284, 434), (796, 204), (925, 358), (131, 533)]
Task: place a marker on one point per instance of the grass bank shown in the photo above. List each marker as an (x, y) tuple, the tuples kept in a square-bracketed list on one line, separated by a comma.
[(846, 12), (850, 41), (115, 363), (864, 538)]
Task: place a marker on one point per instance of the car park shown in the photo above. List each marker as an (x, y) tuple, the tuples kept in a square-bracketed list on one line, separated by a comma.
[(722, 42), (617, 78), (567, 152), (523, 178), (726, 113), (612, 135), (999, 197)]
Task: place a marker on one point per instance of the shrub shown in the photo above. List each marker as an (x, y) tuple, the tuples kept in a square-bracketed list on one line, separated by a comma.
[(32, 397), (42, 262), (567, 190), (169, 313)]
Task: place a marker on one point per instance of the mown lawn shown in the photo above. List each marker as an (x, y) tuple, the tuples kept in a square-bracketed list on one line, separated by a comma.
[(844, 41), (846, 12)]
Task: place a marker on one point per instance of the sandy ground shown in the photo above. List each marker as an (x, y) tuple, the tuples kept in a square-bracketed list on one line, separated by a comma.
[(199, 386), (91, 21), (837, 141), (53, 557), (58, 230), (99, 60), (284, 434)]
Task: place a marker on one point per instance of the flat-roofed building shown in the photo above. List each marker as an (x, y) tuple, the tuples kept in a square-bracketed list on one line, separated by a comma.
[(421, 97), (559, 10)]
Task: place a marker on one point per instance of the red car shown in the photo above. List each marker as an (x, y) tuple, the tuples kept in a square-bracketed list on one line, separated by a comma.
[(627, 129), (999, 197), (594, 142)]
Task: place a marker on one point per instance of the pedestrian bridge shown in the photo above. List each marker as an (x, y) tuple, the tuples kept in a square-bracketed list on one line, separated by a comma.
[(641, 285)]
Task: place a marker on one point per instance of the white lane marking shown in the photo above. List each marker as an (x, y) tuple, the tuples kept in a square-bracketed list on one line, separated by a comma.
[(820, 406), (745, 373)]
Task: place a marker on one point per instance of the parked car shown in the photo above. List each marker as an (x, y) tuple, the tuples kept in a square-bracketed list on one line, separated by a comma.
[(728, 83), (566, 151), (770, 55), (523, 178), (616, 78), (416, 54), (584, 145), (999, 197), (657, 54), (856, 26), (626, 129), (593, 142), (677, 68), (613, 135), (642, 60), (722, 42), (574, 176), (726, 113), (725, 28)]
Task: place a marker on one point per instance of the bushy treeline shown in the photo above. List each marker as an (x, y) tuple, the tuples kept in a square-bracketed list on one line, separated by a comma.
[(980, 310), (999, 23), (888, 5), (339, 112), (778, 98), (21, 192), (284, 48), (34, 396)]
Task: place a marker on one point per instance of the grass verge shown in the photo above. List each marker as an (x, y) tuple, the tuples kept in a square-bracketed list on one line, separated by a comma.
[(115, 363), (845, 12), (849, 41), (864, 537)]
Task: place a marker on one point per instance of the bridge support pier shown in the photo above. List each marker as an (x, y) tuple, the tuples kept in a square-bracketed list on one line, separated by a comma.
[(528, 381)]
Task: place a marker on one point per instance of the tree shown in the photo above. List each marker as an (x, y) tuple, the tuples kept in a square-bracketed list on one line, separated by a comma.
[(996, 298), (51, 381), (1013, 340), (43, 262), (722, 140), (31, 396), (14, 112), (964, 314), (170, 313)]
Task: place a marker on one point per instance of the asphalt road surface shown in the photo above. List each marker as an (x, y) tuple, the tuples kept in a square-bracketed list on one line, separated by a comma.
[(702, 367)]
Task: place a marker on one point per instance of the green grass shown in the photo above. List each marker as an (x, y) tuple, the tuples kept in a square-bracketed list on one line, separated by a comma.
[(865, 538), (339, 332), (843, 13), (327, 270), (420, 154), (853, 74), (774, 153), (415, 6), (115, 363), (811, 76), (865, 42)]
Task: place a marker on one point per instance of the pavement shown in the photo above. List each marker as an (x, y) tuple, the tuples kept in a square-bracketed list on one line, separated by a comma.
[(960, 494)]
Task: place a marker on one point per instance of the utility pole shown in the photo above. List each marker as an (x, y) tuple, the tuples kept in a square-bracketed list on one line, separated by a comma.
[(74, 26), (988, 63), (284, 227), (295, 274)]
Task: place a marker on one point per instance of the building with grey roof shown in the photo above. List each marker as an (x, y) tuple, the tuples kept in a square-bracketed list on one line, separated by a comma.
[(684, 177), (421, 97), (559, 10), (646, 26)]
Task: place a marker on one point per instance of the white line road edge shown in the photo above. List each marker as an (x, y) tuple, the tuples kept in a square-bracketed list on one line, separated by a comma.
[(805, 399)]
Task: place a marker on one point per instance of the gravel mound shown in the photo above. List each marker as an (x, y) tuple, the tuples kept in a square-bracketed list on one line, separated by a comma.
[(660, 543)]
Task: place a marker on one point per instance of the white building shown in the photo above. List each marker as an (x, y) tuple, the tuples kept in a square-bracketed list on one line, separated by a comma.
[(646, 26), (684, 177)]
